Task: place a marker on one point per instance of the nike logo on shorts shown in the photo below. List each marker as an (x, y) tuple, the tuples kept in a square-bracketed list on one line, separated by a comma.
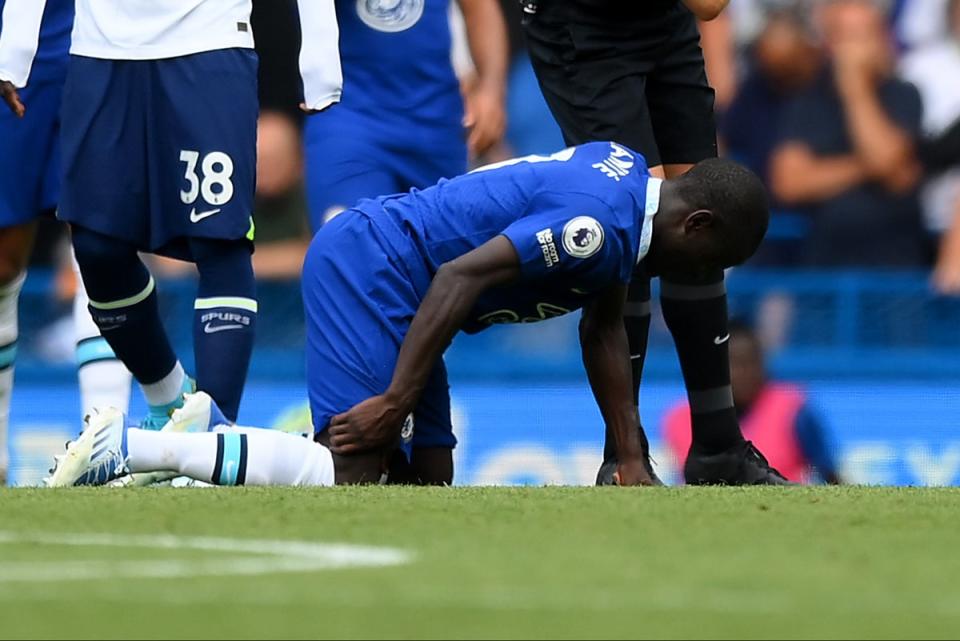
[(197, 217), (721, 340)]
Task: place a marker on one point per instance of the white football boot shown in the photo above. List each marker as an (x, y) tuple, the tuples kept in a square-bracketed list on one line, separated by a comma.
[(98, 456)]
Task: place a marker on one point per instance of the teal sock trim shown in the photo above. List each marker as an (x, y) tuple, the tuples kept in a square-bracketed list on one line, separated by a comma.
[(92, 350), (231, 459), (8, 355)]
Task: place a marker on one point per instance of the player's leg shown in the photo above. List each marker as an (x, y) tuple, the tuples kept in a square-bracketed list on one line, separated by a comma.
[(29, 154), (357, 469), (425, 466), (104, 196), (123, 304), (341, 169), (202, 161), (196, 443), (16, 243), (248, 456), (681, 106), (225, 315), (104, 379)]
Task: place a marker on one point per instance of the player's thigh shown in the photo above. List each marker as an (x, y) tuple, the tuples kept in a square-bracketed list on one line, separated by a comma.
[(202, 145), (616, 110), (29, 164), (342, 169), (594, 90), (103, 147), (681, 101)]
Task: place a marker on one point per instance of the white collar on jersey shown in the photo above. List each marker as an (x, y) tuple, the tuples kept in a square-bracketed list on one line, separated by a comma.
[(652, 207)]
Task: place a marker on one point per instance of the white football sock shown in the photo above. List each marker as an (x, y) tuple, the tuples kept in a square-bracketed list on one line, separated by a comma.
[(235, 456), (167, 389), (9, 297), (104, 380)]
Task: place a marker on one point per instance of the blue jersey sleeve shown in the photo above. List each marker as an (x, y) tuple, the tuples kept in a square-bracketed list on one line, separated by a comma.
[(573, 236)]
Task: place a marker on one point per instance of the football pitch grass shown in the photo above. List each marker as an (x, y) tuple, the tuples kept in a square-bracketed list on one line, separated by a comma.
[(480, 563)]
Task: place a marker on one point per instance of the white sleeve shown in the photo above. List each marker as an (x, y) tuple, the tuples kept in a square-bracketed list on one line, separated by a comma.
[(20, 39), (320, 54)]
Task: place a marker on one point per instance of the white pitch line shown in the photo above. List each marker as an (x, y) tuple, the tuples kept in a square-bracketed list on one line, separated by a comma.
[(270, 556)]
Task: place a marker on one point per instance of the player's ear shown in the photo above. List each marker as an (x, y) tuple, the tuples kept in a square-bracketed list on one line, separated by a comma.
[(700, 220)]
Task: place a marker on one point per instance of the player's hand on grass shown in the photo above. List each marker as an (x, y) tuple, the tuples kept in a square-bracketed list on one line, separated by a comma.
[(372, 424), (632, 471), (12, 98), (485, 118)]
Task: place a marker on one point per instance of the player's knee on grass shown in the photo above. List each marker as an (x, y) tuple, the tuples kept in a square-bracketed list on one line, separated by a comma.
[(357, 469), (427, 466)]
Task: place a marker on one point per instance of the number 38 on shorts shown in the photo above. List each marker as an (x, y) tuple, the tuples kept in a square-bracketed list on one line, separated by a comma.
[(208, 178)]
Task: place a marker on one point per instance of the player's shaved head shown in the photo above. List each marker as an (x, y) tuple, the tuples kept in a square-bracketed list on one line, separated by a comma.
[(738, 201), (714, 216)]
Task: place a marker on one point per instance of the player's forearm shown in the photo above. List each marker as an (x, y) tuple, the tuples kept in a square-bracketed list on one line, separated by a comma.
[(606, 358), (442, 313), (452, 295), (706, 9), (320, 54), (719, 57), (886, 151), (489, 47), (799, 177)]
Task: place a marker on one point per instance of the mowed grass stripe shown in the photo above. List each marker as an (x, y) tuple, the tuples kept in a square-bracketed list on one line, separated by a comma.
[(515, 562)]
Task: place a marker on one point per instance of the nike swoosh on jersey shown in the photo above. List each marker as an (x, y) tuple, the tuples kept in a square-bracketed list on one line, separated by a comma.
[(721, 340), (196, 218)]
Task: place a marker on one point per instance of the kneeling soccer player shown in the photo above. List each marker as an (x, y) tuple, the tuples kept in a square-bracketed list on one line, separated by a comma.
[(387, 285)]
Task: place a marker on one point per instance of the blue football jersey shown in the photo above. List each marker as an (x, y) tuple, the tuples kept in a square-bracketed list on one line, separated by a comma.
[(53, 48), (395, 56), (580, 220)]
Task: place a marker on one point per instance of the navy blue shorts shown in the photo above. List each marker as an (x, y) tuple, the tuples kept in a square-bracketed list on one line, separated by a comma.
[(158, 151), (360, 297), (349, 158), (30, 161)]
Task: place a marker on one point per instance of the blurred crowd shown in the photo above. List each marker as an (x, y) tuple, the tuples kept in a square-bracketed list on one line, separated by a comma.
[(848, 109)]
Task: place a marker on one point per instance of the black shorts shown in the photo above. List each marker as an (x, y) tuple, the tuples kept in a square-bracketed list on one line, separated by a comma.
[(628, 71)]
